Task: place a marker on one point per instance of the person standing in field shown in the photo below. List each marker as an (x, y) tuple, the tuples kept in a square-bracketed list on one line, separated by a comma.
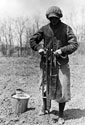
[(63, 39)]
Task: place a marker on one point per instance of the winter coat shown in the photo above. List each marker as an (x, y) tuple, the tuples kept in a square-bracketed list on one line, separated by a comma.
[(62, 37)]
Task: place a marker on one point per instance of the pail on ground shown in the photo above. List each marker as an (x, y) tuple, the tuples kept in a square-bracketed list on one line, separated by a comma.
[(21, 101)]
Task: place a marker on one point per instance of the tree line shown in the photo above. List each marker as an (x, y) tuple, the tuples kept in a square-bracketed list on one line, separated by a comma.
[(15, 33)]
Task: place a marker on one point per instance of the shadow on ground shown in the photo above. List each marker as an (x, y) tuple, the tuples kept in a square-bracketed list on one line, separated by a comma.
[(28, 109), (54, 112), (74, 113)]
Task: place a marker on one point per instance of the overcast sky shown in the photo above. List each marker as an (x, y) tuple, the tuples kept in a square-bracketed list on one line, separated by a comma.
[(15, 8)]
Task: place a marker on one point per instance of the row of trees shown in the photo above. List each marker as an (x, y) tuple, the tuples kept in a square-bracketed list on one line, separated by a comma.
[(15, 33)]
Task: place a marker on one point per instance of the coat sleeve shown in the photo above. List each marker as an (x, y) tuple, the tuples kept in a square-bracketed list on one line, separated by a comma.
[(72, 43), (36, 39)]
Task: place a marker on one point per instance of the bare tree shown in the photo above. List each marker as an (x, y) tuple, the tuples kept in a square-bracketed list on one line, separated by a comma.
[(7, 36), (29, 31), (77, 21), (20, 28)]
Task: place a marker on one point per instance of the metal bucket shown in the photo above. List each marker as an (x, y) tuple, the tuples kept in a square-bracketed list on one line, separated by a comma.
[(21, 101)]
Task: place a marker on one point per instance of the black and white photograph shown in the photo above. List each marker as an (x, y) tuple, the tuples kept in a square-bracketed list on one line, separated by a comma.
[(42, 62)]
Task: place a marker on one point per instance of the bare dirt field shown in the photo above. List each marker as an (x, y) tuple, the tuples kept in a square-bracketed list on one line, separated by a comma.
[(23, 73)]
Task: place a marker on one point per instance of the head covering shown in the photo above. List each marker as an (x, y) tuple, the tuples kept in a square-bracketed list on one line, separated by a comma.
[(54, 11)]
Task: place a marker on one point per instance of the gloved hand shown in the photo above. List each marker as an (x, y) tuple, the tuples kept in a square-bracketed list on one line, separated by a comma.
[(58, 52), (41, 51)]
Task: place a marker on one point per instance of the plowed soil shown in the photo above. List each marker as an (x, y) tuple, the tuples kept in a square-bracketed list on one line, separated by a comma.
[(24, 73)]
